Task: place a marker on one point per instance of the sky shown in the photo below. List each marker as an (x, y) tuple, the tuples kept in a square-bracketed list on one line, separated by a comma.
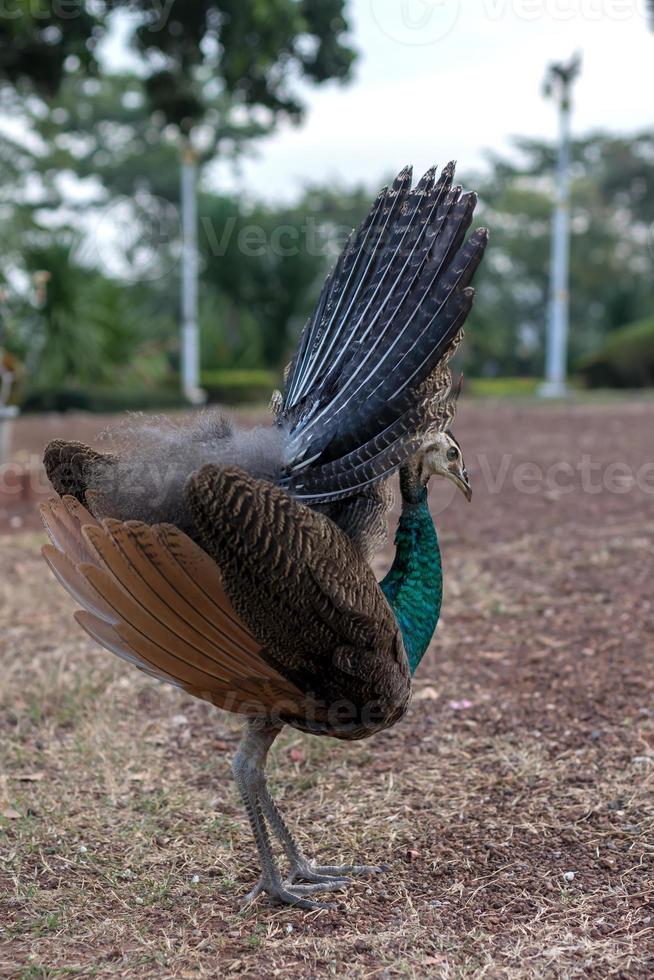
[(446, 79), (443, 79)]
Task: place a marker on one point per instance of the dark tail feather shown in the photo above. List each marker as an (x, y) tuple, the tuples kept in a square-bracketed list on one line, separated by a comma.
[(355, 395), (371, 462), (382, 454), (325, 330)]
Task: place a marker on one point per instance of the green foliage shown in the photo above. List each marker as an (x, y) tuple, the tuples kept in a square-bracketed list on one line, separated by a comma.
[(262, 265), (253, 53), (261, 261), (89, 327), (226, 68), (106, 129), (626, 359), (73, 326), (611, 264), (230, 335), (84, 398), (38, 40), (501, 387), (258, 50), (239, 387)]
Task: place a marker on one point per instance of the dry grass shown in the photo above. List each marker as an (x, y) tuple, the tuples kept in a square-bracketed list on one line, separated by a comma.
[(518, 830)]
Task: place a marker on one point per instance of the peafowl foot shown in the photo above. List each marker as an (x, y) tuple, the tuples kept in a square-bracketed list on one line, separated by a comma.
[(305, 871), (291, 893)]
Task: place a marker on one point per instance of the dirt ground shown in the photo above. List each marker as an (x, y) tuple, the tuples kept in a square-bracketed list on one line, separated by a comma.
[(514, 805)]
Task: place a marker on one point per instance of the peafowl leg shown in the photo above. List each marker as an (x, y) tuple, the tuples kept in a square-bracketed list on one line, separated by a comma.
[(301, 868), (248, 770), (249, 773)]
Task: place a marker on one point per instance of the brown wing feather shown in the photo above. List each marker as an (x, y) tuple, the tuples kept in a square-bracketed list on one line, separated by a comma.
[(155, 603), (152, 596), (74, 582), (106, 635), (63, 523), (147, 551)]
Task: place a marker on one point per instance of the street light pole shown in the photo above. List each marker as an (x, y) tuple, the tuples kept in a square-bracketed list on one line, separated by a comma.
[(558, 83), (190, 347)]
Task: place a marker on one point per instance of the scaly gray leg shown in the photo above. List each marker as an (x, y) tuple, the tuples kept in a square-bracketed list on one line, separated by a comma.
[(248, 770), (301, 867), (249, 774)]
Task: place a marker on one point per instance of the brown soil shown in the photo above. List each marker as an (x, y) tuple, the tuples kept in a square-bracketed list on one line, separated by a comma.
[(514, 804)]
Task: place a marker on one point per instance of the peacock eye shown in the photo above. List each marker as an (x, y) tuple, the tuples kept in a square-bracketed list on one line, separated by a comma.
[(452, 452)]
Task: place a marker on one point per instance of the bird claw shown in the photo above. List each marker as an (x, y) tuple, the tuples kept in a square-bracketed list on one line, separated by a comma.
[(333, 872), (316, 875), (291, 893)]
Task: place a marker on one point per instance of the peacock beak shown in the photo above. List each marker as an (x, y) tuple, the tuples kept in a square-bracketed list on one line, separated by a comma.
[(462, 481)]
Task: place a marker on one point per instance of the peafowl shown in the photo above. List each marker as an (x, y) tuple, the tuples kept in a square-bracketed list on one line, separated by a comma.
[(235, 563)]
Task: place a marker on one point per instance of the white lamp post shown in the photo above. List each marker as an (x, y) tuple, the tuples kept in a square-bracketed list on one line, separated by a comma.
[(558, 84), (190, 344)]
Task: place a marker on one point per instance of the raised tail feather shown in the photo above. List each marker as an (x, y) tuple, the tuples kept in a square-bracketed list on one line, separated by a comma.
[(355, 402)]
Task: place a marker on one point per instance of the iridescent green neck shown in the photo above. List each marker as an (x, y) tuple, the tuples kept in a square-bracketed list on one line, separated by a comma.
[(414, 584)]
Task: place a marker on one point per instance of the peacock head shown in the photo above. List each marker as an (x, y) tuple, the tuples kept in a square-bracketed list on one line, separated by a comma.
[(440, 455)]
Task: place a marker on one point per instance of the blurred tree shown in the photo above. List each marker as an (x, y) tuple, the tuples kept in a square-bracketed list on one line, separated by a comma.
[(262, 265), (612, 255), (72, 325), (261, 260), (269, 263), (40, 42), (224, 69), (258, 53), (103, 131), (221, 71)]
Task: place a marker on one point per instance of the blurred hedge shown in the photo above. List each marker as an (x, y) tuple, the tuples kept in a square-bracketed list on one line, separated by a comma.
[(626, 360), (500, 387), (91, 399), (227, 387), (238, 387)]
